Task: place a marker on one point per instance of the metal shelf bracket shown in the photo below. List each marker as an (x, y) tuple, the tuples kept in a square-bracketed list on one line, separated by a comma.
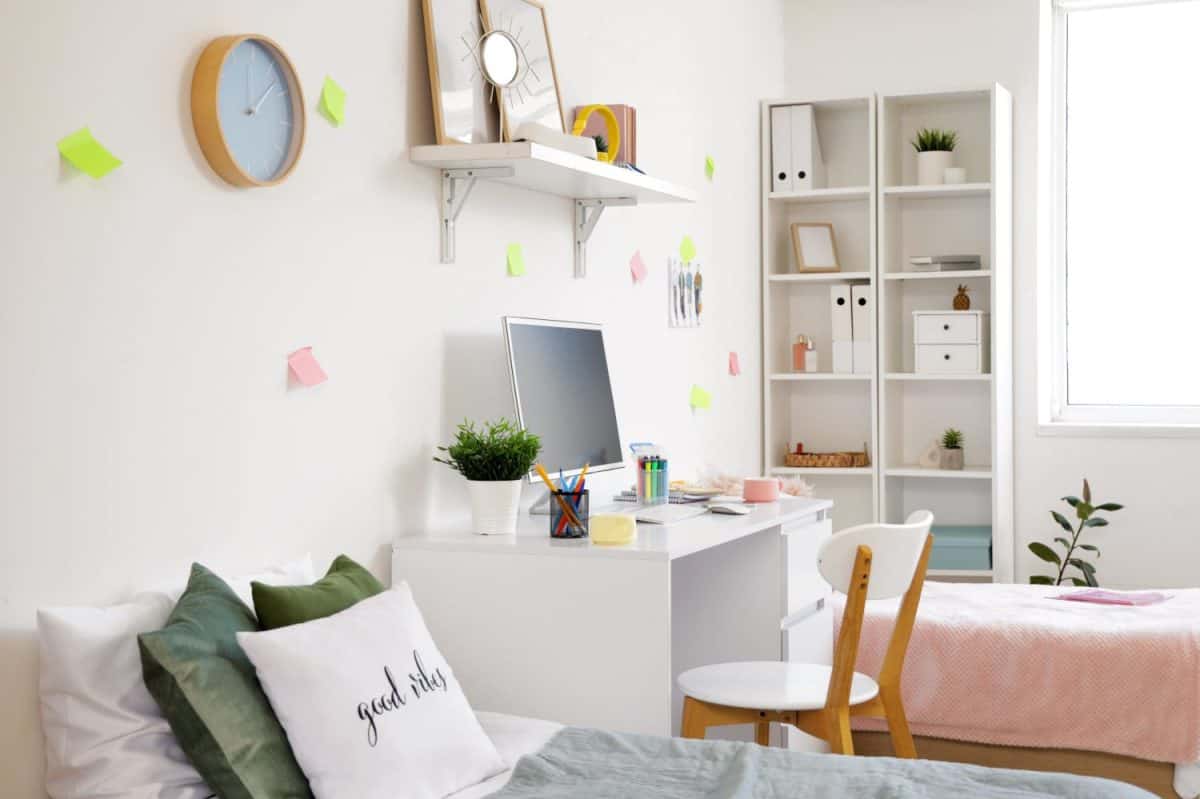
[(587, 214), (456, 188)]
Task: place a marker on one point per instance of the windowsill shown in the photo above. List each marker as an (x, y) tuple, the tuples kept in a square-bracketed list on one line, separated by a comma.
[(1061, 428)]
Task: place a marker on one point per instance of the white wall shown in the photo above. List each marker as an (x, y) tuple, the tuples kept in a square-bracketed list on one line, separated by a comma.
[(854, 47), (144, 319)]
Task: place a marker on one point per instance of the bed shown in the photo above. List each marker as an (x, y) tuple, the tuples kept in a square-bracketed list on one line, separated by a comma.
[(1006, 676)]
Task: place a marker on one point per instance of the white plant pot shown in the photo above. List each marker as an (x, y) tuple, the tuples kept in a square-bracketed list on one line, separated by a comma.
[(931, 166), (495, 506)]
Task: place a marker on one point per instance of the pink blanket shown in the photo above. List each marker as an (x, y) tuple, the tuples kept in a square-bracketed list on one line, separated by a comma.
[(1005, 664)]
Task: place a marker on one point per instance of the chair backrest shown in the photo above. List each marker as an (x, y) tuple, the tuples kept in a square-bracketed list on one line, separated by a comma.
[(896, 549)]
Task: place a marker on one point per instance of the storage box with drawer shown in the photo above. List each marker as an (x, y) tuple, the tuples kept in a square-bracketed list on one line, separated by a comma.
[(950, 342)]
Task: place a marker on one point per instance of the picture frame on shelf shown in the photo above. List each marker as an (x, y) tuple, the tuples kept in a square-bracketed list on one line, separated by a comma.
[(464, 106), (533, 96), (814, 246)]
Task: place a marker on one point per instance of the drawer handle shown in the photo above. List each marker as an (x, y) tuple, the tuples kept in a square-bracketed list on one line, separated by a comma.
[(945, 327), (946, 356)]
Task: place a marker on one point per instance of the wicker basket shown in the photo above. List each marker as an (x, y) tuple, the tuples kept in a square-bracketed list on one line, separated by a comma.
[(828, 460)]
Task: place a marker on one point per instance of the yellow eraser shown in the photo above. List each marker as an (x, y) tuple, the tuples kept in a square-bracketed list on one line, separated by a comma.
[(612, 528)]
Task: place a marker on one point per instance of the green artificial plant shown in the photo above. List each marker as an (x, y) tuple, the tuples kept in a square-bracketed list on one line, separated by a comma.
[(952, 439), (497, 451), (1085, 512), (601, 144), (930, 140)]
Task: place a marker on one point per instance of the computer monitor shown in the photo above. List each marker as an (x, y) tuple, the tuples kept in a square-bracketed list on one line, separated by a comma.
[(562, 392)]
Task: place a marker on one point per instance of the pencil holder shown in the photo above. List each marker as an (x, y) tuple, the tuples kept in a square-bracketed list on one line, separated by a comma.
[(653, 483), (569, 514)]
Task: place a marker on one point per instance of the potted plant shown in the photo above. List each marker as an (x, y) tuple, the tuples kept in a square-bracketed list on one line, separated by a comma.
[(935, 152), (1085, 511), (952, 451), (494, 459)]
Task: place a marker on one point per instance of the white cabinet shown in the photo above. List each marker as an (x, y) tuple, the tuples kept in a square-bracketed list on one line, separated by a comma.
[(950, 343)]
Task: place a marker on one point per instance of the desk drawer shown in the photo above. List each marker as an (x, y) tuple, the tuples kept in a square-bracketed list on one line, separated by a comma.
[(947, 359), (804, 583), (946, 328)]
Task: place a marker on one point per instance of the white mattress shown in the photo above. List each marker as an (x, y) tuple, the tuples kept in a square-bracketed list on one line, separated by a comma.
[(513, 736)]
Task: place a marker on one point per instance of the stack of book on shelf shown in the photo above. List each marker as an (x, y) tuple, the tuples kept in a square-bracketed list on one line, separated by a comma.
[(944, 263)]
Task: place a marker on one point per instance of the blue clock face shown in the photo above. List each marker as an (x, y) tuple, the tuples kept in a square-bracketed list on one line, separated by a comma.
[(258, 110)]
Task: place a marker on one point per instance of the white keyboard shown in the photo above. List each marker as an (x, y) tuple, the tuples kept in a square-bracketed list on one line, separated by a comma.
[(669, 514)]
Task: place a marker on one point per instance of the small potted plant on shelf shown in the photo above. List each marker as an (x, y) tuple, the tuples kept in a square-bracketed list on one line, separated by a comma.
[(494, 459), (935, 152), (952, 450)]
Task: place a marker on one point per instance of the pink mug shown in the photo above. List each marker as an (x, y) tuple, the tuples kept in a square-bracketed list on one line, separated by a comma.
[(761, 489)]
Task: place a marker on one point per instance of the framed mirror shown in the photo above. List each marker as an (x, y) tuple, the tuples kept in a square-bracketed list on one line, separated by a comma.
[(531, 94), (464, 110)]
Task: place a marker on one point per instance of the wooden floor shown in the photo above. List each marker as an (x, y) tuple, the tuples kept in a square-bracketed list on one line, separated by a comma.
[(1147, 775)]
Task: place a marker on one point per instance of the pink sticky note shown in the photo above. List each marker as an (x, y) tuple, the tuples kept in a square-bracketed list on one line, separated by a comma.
[(735, 368), (637, 267), (305, 367)]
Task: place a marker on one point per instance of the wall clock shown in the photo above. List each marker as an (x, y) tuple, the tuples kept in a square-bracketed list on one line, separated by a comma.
[(248, 110)]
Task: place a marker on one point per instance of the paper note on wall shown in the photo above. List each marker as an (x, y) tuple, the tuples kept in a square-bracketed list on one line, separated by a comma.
[(305, 368), (516, 260), (86, 154), (687, 249), (700, 398), (637, 267), (710, 166), (333, 101), (735, 368)]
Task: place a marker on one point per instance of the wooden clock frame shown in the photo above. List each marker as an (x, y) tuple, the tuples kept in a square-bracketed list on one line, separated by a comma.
[(206, 82)]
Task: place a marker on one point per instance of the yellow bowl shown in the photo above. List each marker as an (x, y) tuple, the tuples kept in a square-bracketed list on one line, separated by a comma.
[(611, 529)]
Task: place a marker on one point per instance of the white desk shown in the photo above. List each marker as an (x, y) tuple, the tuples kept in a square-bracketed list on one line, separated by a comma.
[(595, 635)]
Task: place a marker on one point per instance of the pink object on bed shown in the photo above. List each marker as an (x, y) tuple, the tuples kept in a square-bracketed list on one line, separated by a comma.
[(1098, 596), (1001, 664)]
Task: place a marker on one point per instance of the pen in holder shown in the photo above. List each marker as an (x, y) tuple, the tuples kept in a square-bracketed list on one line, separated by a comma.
[(569, 514)]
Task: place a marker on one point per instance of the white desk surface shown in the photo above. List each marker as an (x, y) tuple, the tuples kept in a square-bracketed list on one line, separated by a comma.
[(653, 542)]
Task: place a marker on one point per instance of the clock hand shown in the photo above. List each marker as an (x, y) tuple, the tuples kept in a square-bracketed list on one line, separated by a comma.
[(263, 99)]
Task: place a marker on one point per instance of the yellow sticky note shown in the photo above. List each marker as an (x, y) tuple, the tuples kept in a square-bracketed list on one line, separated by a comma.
[(687, 249), (700, 398), (710, 166), (516, 260), (86, 154), (333, 101)]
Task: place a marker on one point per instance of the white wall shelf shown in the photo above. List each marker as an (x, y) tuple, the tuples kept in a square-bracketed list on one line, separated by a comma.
[(838, 194), (865, 143), (935, 192), (593, 185), (821, 277), (957, 274)]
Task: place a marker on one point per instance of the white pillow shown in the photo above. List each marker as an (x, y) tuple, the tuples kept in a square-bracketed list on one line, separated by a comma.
[(370, 706), (105, 734)]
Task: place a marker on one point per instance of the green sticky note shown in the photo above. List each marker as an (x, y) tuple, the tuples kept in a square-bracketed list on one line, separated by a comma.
[(710, 166), (700, 398), (333, 101), (86, 154), (687, 249), (516, 260)]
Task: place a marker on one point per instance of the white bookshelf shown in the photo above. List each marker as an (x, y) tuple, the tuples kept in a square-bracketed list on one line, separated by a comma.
[(881, 219), (825, 411)]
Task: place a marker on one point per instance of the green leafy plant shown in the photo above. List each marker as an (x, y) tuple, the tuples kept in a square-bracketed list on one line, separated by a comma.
[(498, 451), (601, 144), (952, 439), (930, 140), (1085, 512)]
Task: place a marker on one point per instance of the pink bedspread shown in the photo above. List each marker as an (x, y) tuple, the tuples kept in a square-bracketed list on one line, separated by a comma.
[(1004, 664)]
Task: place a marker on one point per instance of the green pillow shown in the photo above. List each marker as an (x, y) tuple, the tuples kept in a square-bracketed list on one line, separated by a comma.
[(209, 693), (345, 584)]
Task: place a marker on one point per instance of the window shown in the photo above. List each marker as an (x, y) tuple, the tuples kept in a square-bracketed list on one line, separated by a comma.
[(1126, 228)]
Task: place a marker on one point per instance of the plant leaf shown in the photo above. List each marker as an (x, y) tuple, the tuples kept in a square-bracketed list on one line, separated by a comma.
[(1098, 521), (1087, 491), (1062, 521), (1066, 544), (1072, 501), (1045, 553), (1109, 506), (1091, 548), (1040, 579), (1083, 510), (1079, 582)]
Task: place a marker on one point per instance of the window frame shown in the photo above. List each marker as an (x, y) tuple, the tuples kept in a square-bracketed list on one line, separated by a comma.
[(1056, 415)]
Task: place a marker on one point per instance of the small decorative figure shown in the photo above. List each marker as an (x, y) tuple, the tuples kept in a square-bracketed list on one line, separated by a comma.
[(962, 302)]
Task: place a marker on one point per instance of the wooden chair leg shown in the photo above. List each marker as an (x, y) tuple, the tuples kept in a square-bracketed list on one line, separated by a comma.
[(902, 740), (693, 723), (762, 733), (840, 740)]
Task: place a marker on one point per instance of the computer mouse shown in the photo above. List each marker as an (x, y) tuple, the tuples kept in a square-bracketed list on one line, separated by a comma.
[(730, 508)]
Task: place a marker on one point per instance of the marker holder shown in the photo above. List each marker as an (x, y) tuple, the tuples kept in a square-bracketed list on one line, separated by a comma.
[(653, 482), (561, 527)]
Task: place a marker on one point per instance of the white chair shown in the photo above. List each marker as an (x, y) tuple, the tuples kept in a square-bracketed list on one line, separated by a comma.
[(873, 561)]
